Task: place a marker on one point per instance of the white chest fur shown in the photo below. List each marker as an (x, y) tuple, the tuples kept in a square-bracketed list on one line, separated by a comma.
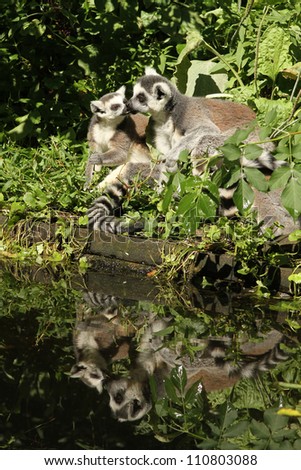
[(164, 135), (102, 135)]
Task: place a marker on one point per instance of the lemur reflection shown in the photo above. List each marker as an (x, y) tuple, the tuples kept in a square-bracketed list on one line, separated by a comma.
[(103, 336)]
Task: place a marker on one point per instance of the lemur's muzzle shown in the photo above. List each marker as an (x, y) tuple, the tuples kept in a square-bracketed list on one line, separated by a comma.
[(130, 108)]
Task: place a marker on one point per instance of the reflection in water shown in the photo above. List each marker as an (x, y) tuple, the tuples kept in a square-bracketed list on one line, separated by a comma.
[(107, 332), (176, 368)]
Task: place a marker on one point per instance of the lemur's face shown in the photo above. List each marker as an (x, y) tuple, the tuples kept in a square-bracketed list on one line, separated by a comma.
[(111, 106), (129, 399), (150, 94), (90, 374)]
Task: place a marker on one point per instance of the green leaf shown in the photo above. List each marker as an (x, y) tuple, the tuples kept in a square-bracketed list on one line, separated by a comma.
[(274, 52), (235, 176), (252, 151), (104, 5), (279, 177), (296, 151), (231, 152), (237, 429), (274, 421), (230, 417), (256, 178), (34, 117), (193, 41), (200, 82), (295, 277), (240, 136), (297, 444), (22, 130), (186, 202), (243, 196), (171, 391), (85, 66), (208, 444), (179, 378), (161, 408), (291, 197), (164, 204), (205, 206), (29, 199), (259, 430), (191, 393)]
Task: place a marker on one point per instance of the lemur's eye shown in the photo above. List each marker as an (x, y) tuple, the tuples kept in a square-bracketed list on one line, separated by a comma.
[(114, 107), (119, 397), (100, 111), (141, 98), (136, 406)]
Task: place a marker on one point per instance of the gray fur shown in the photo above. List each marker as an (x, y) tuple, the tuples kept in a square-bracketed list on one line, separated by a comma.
[(196, 124)]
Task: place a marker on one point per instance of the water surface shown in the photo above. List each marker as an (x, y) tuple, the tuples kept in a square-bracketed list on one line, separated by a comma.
[(98, 361)]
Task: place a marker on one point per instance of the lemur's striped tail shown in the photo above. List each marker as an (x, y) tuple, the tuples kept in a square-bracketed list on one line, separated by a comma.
[(105, 212)]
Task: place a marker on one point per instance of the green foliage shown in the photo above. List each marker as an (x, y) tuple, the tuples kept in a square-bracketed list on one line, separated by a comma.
[(42, 186), (39, 398), (57, 56)]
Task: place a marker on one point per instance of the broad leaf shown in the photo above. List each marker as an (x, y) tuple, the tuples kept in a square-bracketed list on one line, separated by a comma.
[(274, 420), (171, 391), (291, 197), (259, 430), (252, 151), (237, 429), (274, 52), (243, 196), (256, 179), (205, 206), (186, 202), (231, 152), (200, 82), (240, 136), (280, 177)]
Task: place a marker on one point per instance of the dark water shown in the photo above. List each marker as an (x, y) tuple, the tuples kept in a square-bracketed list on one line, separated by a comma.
[(97, 361)]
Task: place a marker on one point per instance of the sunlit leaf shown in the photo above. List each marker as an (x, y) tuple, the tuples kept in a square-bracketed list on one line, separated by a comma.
[(252, 151), (279, 177), (274, 51), (231, 152), (291, 197), (289, 412), (256, 178), (243, 196)]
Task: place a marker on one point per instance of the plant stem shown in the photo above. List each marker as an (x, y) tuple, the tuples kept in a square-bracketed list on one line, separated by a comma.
[(222, 59), (265, 11)]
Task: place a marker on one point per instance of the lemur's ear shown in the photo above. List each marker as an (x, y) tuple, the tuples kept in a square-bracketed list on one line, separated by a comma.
[(121, 90), (161, 90), (150, 71), (96, 107)]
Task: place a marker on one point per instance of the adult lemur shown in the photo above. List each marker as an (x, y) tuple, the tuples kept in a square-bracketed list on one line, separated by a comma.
[(116, 139), (196, 124)]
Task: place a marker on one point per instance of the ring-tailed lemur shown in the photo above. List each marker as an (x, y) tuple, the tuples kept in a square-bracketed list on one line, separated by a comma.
[(116, 139), (197, 124), (108, 337), (98, 339), (130, 398)]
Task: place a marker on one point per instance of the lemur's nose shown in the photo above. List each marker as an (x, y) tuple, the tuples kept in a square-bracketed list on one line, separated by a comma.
[(130, 107)]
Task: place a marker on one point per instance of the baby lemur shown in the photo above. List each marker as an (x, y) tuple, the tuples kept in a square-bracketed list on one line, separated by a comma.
[(116, 139)]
